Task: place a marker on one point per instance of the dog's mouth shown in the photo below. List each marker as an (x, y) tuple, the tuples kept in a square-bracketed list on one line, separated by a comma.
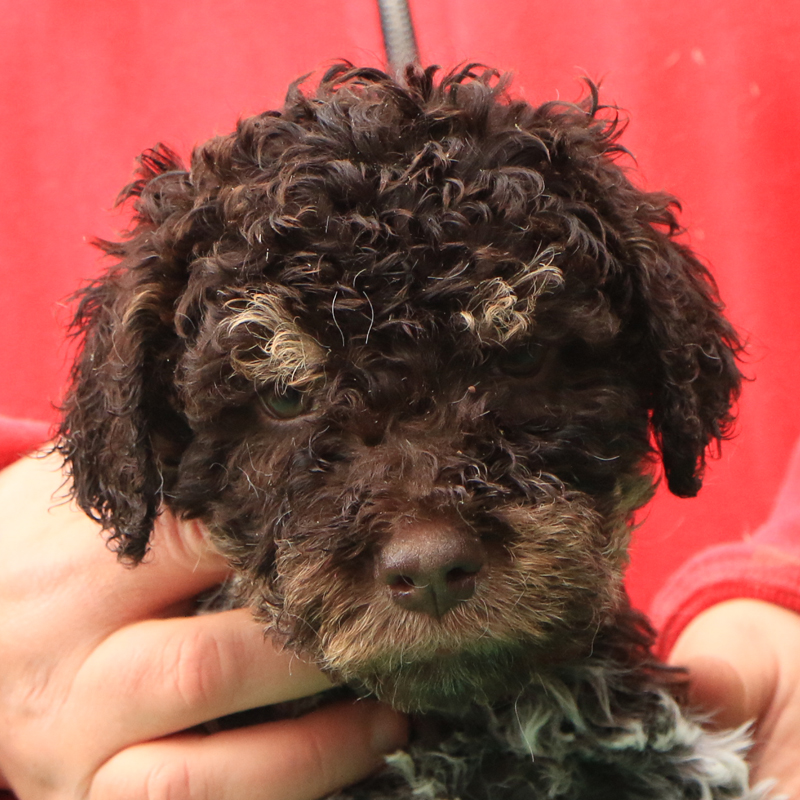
[(451, 679), (447, 681)]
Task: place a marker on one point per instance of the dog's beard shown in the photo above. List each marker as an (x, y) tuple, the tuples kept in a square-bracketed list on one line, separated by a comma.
[(445, 681), (551, 580)]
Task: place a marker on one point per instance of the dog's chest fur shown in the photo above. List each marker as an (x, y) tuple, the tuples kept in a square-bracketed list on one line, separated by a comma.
[(592, 732), (411, 352)]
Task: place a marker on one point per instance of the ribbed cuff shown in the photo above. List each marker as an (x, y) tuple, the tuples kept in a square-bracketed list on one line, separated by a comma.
[(749, 569), (20, 436)]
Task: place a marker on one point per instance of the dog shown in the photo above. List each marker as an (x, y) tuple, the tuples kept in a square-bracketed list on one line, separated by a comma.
[(411, 348)]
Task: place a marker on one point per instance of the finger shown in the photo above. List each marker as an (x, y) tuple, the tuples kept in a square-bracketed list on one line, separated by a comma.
[(299, 759), (181, 563), (716, 688), (172, 674), (726, 645), (36, 500)]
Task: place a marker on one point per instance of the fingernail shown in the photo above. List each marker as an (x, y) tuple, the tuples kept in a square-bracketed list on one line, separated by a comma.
[(389, 730)]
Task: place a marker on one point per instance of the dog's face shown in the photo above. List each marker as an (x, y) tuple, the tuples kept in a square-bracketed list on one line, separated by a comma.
[(407, 351), (423, 511)]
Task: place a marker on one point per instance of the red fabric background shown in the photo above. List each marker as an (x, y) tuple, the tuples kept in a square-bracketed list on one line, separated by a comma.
[(712, 88)]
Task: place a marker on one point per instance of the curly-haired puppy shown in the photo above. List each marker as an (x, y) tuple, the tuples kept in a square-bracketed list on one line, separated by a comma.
[(409, 350)]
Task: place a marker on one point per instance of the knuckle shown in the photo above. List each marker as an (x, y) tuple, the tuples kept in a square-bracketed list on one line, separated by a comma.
[(170, 780), (331, 753), (318, 763), (194, 669), (187, 542), (137, 774), (310, 760)]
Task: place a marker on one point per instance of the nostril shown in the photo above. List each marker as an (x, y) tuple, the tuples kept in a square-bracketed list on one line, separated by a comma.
[(461, 582), (461, 574), (401, 582)]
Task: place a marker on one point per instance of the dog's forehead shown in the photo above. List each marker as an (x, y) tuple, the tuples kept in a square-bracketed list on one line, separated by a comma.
[(289, 332)]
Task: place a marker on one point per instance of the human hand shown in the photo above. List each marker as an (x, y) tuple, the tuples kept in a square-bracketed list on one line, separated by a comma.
[(101, 676), (744, 664)]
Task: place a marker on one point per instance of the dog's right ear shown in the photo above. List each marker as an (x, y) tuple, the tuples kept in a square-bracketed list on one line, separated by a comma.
[(122, 431)]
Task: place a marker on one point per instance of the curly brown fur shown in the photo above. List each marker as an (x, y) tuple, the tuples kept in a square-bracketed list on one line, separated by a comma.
[(417, 311)]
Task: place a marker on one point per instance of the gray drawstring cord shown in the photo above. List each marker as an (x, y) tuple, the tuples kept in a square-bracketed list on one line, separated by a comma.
[(399, 39)]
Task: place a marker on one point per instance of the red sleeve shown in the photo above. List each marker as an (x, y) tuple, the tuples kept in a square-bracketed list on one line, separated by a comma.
[(19, 436), (764, 566)]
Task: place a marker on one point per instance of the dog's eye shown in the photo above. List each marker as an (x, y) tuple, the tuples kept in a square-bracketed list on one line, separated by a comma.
[(523, 362), (284, 402)]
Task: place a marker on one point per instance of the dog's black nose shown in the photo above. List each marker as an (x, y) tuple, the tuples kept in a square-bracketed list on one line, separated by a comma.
[(430, 566)]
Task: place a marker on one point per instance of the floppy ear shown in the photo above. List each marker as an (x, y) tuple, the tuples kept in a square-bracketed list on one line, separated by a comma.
[(690, 352), (122, 432)]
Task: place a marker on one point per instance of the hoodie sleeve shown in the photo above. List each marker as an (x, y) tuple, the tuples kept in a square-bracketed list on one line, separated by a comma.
[(20, 436), (764, 566)]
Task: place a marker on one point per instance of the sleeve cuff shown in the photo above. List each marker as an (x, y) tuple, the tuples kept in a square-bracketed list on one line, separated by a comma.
[(20, 436), (750, 569)]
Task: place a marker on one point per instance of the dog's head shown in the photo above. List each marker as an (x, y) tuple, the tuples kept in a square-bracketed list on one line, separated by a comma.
[(408, 350)]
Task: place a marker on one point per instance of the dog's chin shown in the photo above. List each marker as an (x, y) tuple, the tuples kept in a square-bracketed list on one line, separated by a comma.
[(447, 682)]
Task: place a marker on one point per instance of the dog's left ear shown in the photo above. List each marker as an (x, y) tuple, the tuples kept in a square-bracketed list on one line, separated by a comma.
[(687, 353)]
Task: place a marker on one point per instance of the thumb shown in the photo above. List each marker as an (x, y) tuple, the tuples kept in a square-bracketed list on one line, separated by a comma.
[(717, 688), (732, 670), (180, 564)]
